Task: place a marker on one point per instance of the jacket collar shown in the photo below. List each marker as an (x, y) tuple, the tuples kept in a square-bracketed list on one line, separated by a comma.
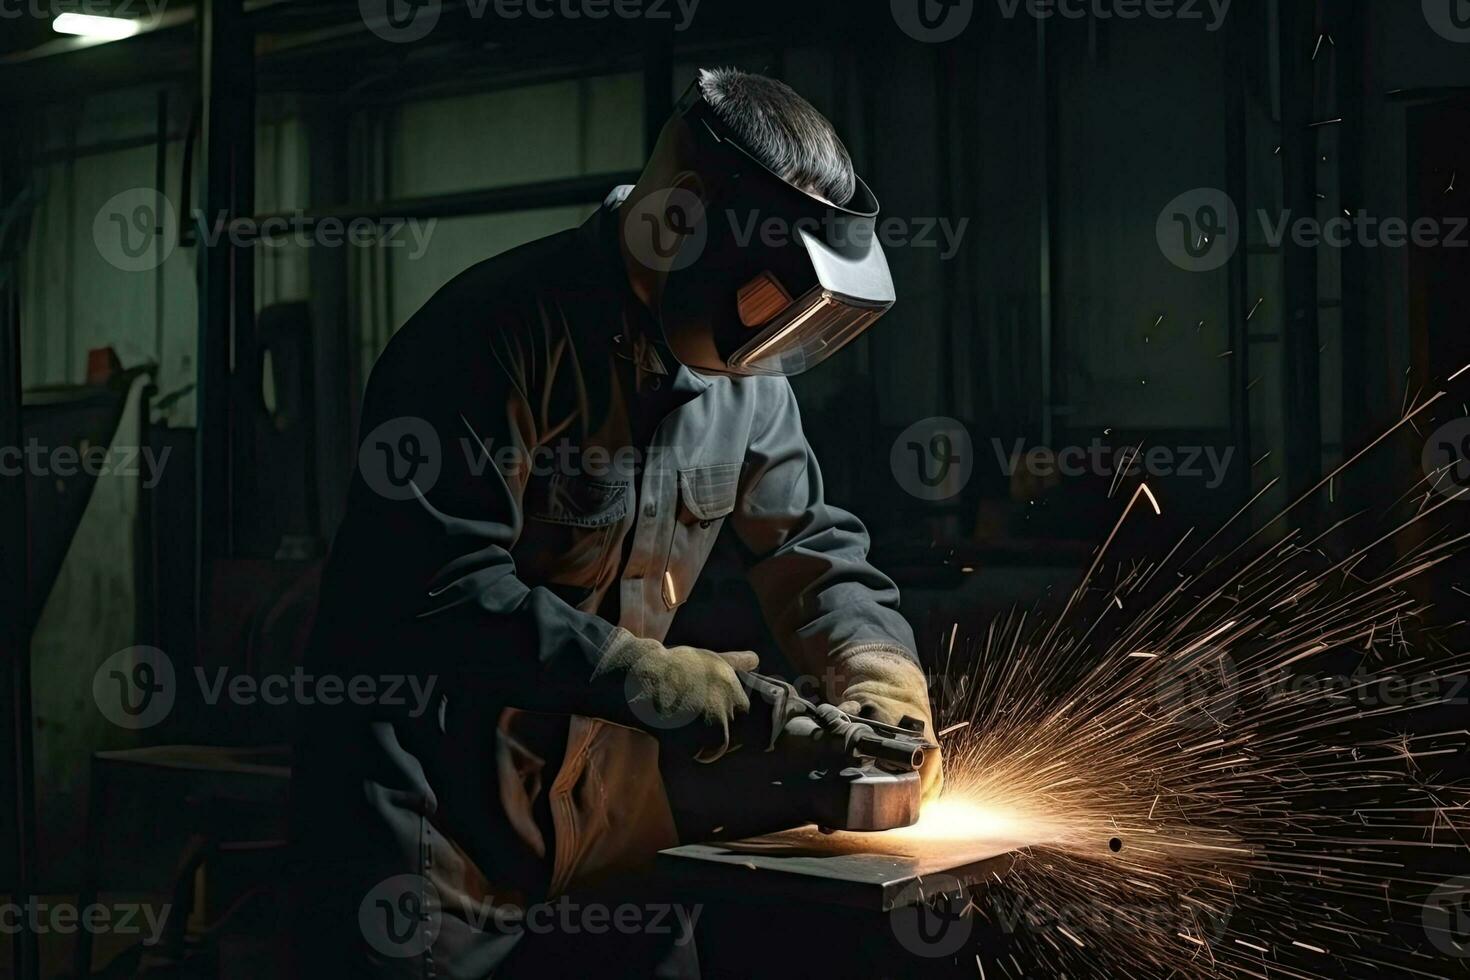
[(639, 340)]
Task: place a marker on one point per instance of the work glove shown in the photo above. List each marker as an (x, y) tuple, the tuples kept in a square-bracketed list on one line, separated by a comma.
[(883, 685), (671, 687)]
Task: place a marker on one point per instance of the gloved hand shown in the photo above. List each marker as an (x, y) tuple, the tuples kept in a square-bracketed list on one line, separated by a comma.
[(883, 685), (673, 686)]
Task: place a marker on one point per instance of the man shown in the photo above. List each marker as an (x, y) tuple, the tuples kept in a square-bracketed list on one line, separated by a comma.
[(552, 445)]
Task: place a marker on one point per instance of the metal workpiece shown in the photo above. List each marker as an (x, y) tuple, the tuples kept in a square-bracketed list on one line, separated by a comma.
[(865, 872)]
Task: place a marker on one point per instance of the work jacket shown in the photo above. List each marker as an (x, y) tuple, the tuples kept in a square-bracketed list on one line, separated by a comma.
[(535, 471)]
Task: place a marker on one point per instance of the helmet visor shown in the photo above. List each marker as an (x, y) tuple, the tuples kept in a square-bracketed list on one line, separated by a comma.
[(807, 332)]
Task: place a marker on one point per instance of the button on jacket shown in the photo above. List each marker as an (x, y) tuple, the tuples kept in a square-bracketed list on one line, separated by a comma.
[(536, 471)]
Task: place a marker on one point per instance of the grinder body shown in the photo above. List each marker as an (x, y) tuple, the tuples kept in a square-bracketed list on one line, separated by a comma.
[(795, 762)]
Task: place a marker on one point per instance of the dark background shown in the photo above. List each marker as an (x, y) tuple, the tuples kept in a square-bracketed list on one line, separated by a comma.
[(1057, 320)]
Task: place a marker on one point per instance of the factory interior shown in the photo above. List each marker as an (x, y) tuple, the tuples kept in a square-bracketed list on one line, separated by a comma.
[(1160, 444)]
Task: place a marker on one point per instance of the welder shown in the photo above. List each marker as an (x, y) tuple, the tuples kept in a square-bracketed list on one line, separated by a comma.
[(549, 449)]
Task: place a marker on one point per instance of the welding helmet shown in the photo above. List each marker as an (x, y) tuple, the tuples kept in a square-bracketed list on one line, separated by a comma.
[(767, 278)]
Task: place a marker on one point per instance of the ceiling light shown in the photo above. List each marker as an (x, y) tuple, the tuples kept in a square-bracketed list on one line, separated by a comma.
[(99, 28)]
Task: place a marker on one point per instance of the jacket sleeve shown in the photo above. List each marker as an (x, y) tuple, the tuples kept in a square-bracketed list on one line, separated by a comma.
[(809, 559), (422, 574)]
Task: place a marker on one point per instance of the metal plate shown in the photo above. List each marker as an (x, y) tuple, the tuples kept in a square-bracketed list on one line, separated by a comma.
[(876, 872)]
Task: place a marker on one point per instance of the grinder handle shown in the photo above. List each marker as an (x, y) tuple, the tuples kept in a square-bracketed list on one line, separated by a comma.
[(867, 739), (776, 702), (892, 752)]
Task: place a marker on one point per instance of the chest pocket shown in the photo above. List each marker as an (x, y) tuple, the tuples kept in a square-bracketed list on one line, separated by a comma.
[(707, 496), (567, 539)]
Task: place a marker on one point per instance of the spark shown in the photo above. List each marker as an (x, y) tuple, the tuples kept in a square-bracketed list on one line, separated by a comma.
[(1274, 818)]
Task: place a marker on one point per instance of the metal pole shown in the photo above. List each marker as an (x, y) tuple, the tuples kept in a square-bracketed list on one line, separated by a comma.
[(225, 273), (1046, 220), (1240, 39), (1358, 419), (1302, 368), (18, 773), (658, 83)]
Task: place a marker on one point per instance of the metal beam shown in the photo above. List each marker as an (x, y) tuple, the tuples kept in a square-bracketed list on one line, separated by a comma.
[(563, 192), (1350, 63), (1045, 93), (226, 278), (17, 771), (334, 367), (1242, 35), (1301, 392), (658, 84)]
